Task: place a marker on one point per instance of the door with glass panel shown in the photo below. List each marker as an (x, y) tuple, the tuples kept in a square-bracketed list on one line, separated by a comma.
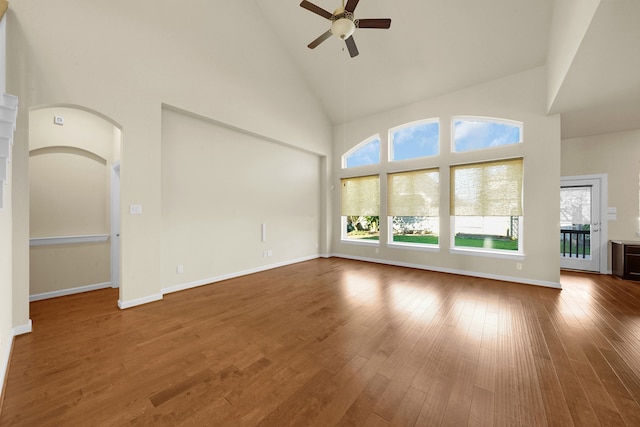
[(580, 224)]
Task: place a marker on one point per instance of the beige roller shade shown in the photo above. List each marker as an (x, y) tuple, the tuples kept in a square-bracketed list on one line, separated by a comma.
[(415, 193), (487, 189), (361, 196), (4, 5)]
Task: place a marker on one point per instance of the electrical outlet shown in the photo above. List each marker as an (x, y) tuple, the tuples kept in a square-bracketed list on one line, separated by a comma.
[(518, 266), (180, 269)]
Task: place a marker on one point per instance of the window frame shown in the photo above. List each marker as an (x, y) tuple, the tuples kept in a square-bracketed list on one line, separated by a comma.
[(485, 119), (414, 123), (359, 146), (500, 253), (390, 240), (487, 252), (343, 218)]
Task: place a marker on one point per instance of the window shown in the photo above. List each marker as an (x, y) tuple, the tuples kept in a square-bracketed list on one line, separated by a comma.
[(477, 133), (365, 153), (413, 140), (360, 208), (486, 205), (413, 207)]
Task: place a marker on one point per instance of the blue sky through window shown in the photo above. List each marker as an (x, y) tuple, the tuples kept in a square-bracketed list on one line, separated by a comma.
[(472, 134), (414, 141), (368, 154)]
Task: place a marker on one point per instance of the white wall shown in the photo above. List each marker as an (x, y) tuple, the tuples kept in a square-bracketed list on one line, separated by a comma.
[(219, 185), (6, 309), (618, 156), (571, 19), (520, 97), (125, 59)]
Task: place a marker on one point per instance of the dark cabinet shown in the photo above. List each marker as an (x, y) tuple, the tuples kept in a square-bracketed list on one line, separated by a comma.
[(625, 259)]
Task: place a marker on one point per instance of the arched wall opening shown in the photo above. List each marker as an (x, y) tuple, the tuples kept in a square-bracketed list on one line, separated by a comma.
[(74, 153)]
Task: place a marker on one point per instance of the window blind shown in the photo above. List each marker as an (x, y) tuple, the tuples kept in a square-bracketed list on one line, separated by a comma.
[(361, 196), (415, 193), (487, 189), (575, 205), (4, 5)]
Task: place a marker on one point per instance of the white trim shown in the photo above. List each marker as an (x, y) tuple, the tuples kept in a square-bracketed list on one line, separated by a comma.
[(139, 301), (67, 240), (604, 222), (414, 246), (555, 285), (4, 363), (195, 284), (69, 291), (357, 147), (114, 206), (484, 119), (415, 123), (487, 253), (23, 329), (364, 242)]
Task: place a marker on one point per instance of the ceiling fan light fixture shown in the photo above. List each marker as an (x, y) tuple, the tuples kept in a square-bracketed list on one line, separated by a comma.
[(343, 28)]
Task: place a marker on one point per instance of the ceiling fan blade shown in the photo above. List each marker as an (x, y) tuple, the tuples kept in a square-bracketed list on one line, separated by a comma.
[(351, 46), (319, 40), (316, 9), (374, 23), (351, 5)]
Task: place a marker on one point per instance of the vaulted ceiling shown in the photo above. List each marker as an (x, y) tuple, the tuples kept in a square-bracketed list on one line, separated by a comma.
[(434, 47)]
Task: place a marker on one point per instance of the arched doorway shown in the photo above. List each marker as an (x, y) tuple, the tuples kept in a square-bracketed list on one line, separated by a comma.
[(73, 155)]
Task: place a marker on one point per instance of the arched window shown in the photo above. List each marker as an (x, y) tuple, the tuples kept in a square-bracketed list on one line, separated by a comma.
[(477, 133), (365, 153), (414, 140)]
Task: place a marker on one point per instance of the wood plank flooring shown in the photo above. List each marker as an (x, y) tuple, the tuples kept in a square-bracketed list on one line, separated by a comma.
[(336, 342)]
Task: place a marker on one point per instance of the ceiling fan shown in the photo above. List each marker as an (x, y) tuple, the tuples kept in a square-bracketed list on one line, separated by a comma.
[(343, 24)]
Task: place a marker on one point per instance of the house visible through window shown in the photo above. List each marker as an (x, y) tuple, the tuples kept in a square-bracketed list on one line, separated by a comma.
[(486, 205), (361, 208)]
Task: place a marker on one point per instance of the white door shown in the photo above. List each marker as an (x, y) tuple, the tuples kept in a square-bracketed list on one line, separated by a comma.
[(580, 224), (115, 226)]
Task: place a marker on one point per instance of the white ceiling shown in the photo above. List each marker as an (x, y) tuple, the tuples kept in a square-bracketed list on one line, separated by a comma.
[(434, 47)]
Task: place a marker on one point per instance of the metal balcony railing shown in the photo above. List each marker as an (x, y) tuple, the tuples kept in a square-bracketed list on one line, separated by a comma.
[(575, 243)]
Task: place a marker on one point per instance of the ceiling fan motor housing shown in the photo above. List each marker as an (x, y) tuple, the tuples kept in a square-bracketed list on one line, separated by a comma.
[(344, 24)]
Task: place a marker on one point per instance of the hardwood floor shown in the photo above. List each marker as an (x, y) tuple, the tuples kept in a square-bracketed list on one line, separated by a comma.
[(336, 342)]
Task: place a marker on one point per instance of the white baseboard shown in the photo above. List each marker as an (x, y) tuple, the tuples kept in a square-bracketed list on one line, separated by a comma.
[(70, 291), (139, 301), (22, 329), (190, 285), (6, 352), (455, 271), (4, 362)]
